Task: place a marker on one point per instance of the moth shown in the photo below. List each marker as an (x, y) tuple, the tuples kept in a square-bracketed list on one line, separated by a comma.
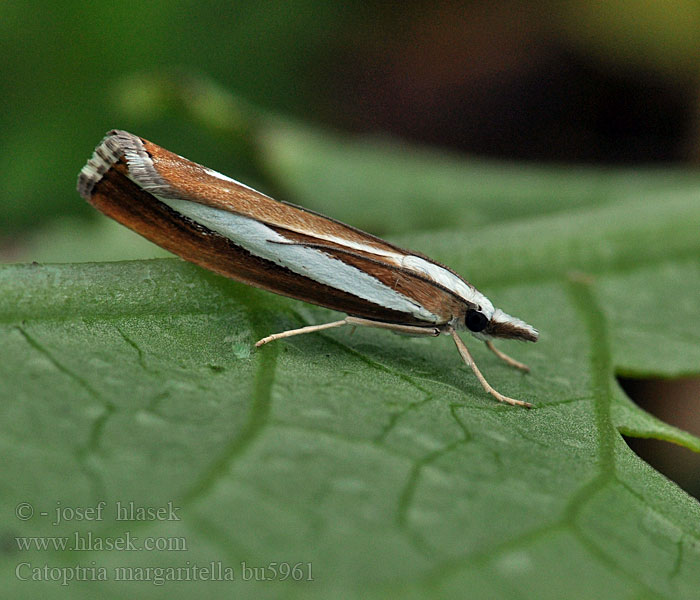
[(223, 225)]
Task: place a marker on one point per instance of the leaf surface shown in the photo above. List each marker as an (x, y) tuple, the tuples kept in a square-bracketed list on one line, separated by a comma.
[(374, 457)]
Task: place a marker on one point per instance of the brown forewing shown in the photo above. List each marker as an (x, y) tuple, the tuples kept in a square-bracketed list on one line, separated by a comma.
[(191, 181), (430, 295), (121, 199)]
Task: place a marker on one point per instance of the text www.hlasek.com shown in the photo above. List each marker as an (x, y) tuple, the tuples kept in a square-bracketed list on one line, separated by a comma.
[(87, 542)]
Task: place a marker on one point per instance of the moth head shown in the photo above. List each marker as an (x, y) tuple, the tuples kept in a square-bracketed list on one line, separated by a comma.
[(486, 323)]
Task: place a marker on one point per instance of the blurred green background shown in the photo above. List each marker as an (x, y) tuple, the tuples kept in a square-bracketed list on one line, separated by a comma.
[(608, 83), (588, 83)]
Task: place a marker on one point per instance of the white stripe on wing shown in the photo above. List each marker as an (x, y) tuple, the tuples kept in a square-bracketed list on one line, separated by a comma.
[(264, 242)]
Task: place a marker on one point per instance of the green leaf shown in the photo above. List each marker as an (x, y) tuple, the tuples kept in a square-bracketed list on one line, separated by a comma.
[(364, 180), (374, 457)]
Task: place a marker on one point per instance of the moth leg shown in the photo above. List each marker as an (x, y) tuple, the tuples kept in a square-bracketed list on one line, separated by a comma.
[(467, 357), (291, 332), (507, 359), (356, 321), (409, 329)]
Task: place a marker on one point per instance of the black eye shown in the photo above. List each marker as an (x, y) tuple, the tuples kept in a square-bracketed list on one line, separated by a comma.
[(475, 321)]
